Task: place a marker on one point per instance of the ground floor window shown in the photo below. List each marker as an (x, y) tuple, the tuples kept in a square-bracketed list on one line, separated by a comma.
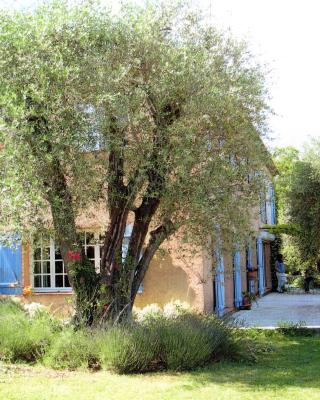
[(48, 270), (47, 267)]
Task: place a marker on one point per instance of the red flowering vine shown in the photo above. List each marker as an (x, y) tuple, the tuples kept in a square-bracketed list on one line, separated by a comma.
[(74, 255)]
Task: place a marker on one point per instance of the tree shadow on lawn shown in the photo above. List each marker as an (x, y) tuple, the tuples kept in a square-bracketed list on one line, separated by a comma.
[(294, 363)]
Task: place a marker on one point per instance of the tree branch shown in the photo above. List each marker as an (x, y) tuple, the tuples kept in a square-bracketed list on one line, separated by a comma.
[(157, 237)]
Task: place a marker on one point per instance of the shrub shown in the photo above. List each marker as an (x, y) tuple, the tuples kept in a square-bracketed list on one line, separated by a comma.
[(176, 308), (71, 350), (184, 344), (128, 349), (176, 339), (34, 309), (150, 312), (187, 341), (23, 338), (295, 329), (9, 306)]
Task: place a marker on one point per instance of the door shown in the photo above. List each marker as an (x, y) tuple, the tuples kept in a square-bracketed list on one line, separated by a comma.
[(10, 270)]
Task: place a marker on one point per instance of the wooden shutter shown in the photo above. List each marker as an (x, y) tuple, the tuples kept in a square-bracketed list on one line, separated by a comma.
[(10, 270)]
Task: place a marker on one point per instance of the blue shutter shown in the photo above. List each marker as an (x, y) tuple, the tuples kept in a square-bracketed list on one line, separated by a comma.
[(219, 283), (10, 270), (263, 210), (249, 266), (260, 262), (237, 279), (249, 258), (273, 205)]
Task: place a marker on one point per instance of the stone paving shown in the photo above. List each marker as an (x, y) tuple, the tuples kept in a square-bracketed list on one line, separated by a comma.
[(276, 308)]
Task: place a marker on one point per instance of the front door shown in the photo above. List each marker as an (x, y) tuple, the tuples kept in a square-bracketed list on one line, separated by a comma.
[(10, 270)]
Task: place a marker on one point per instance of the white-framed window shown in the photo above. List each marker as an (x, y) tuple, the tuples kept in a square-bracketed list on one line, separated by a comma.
[(47, 267), (271, 205), (47, 270), (263, 208), (48, 273), (92, 244)]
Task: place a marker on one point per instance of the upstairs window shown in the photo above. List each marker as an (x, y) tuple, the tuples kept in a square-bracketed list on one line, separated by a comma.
[(263, 208)]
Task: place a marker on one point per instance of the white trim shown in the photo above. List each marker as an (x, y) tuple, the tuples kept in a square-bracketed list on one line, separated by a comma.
[(53, 290), (96, 245), (52, 264)]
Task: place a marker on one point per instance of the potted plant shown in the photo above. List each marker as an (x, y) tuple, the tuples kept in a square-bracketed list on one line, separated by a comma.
[(247, 300)]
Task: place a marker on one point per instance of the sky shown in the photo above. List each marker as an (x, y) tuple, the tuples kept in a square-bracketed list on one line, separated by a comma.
[(284, 35)]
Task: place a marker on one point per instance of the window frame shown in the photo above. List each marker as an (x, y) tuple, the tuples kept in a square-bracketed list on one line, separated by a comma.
[(52, 260), (97, 259), (52, 274)]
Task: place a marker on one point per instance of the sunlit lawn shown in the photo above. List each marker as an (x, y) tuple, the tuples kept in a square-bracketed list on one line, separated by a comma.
[(290, 372)]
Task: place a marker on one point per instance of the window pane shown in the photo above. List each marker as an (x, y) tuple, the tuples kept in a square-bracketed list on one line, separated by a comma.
[(90, 252), (46, 281), (66, 281), (37, 268), (46, 267), (59, 267), (57, 254), (89, 238), (46, 253), (37, 253), (37, 281), (59, 280)]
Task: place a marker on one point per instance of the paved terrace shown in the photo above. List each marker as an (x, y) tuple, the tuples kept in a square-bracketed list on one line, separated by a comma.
[(275, 308)]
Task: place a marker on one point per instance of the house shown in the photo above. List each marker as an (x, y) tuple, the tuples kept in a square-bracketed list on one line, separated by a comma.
[(208, 283)]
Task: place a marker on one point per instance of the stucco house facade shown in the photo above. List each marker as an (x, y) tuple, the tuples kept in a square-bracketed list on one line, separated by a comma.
[(211, 284)]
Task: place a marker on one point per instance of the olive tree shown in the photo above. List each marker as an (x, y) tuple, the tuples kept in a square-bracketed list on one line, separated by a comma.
[(147, 111)]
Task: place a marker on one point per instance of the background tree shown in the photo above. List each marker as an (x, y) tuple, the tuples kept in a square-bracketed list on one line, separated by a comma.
[(284, 158), (304, 205), (149, 112)]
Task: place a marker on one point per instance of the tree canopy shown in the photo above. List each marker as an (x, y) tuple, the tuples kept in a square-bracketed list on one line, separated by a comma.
[(284, 158), (149, 112), (304, 204)]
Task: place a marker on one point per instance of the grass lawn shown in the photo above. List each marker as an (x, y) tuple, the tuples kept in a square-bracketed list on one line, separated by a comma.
[(290, 372)]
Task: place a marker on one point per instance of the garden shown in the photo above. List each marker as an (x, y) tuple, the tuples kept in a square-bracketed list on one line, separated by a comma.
[(174, 339), (183, 356)]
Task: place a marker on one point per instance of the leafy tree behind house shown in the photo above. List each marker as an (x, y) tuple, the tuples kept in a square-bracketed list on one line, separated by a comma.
[(284, 158), (148, 112), (304, 205)]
